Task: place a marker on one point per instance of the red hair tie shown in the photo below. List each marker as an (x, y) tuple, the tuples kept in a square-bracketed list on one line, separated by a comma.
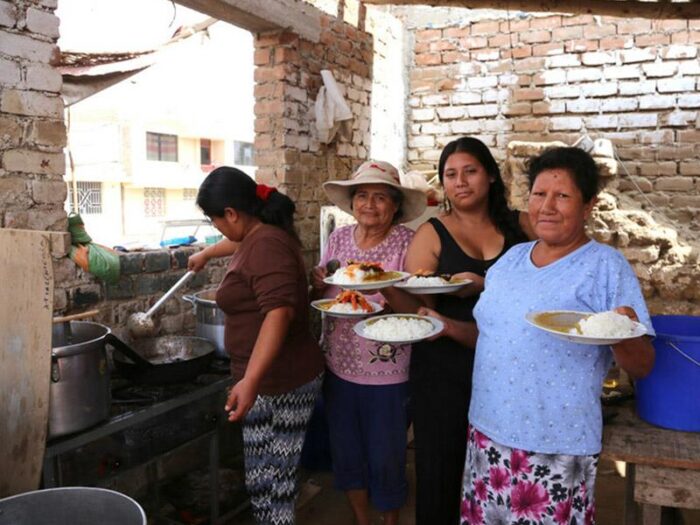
[(262, 192)]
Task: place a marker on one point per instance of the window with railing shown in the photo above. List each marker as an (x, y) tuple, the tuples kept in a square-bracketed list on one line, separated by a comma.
[(89, 198), (242, 153), (204, 152), (154, 202), (160, 146)]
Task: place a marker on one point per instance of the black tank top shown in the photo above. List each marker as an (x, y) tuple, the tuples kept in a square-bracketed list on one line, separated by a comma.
[(445, 358)]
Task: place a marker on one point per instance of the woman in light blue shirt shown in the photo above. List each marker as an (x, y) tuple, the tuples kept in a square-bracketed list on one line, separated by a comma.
[(535, 418)]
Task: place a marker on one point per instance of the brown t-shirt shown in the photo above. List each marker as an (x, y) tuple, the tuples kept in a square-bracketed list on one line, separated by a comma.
[(267, 272)]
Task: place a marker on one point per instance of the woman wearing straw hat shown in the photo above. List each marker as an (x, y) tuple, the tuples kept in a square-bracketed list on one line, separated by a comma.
[(366, 387)]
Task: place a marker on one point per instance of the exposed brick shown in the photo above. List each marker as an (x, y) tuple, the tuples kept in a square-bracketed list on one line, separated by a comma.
[(637, 87), (640, 120), (613, 105), (615, 42), (685, 37), (262, 56), (584, 74), (43, 78), (580, 46), (427, 35), (421, 141), (537, 124), (436, 100), (517, 109), (465, 127), (576, 20), (691, 136), (8, 14), (543, 50), (601, 122), (690, 168), (563, 61), (474, 42), (562, 91), (689, 101), (10, 132), (597, 58), (503, 40), (535, 37), (49, 192), (679, 118), (532, 65), (450, 112), (614, 72), (551, 76), (435, 129), (484, 55), (660, 69), (528, 94), (634, 26), (566, 123), (28, 161), (675, 85), (670, 26), (677, 51), (428, 59), (9, 72), (484, 110), (484, 28), (689, 67), (653, 39), (42, 22), (457, 32), (520, 51), (482, 82), (597, 31), (657, 101), (637, 55), (583, 106), (599, 89), (567, 33), (156, 261), (22, 46), (674, 184), (466, 97), (423, 114)]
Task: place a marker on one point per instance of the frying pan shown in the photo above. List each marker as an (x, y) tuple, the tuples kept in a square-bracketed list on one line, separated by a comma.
[(162, 360)]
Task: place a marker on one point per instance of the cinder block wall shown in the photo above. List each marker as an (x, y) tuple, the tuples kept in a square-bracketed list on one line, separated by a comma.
[(546, 78)]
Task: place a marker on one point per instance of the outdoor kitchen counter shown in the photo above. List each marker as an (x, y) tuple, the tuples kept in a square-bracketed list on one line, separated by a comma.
[(663, 466), (124, 421)]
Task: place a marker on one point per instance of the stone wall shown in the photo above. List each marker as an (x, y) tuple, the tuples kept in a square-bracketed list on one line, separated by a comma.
[(32, 131), (634, 81), (668, 267), (287, 152)]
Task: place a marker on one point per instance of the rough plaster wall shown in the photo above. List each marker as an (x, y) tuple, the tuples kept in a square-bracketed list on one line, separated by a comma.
[(389, 86)]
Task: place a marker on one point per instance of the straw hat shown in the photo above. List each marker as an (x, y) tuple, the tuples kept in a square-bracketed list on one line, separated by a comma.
[(376, 172)]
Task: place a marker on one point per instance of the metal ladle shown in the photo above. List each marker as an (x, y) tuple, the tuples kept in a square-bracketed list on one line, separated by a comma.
[(140, 324)]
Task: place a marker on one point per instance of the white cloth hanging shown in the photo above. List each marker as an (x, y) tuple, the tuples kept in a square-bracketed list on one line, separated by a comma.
[(332, 112)]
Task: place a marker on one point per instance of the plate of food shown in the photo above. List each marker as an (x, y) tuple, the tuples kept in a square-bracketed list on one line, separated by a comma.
[(603, 328), (424, 282), (348, 303), (399, 328), (360, 275)]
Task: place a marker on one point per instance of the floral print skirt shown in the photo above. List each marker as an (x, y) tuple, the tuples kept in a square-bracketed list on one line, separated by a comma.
[(508, 486)]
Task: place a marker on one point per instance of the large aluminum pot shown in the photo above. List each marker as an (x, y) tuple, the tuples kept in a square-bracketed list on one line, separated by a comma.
[(79, 392), (71, 506), (210, 319)]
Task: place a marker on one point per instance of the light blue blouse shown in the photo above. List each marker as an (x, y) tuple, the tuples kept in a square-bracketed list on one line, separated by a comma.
[(533, 391)]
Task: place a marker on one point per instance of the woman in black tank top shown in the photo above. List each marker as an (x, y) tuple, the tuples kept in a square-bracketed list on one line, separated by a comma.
[(475, 230)]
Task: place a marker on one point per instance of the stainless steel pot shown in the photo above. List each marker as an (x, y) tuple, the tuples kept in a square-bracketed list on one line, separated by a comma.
[(210, 319), (79, 392)]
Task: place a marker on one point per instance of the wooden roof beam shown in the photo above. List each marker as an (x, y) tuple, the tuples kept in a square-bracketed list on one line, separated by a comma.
[(622, 8), (258, 16)]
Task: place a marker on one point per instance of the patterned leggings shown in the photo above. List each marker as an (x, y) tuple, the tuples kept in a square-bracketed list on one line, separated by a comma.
[(273, 434)]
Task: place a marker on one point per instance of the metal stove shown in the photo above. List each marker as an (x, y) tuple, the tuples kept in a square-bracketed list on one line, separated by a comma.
[(145, 423)]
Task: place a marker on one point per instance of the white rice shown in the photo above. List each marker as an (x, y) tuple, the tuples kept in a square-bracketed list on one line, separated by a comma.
[(426, 281), (342, 277), (606, 324), (344, 308), (398, 329)]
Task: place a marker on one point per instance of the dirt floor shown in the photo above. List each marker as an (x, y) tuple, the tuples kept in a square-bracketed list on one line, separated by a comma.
[(321, 504)]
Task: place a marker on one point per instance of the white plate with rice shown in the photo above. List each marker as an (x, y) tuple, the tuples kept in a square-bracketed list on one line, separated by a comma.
[(603, 328), (399, 328), (328, 307), (384, 280), (431, 285)]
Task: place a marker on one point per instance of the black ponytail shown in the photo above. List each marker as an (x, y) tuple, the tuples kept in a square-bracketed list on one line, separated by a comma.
[(227, 187)]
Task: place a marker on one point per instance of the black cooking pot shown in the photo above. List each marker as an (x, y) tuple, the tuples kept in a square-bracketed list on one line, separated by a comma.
[(162, 360)]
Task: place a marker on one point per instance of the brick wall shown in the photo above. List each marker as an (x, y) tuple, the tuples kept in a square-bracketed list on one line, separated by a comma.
[(287, 152), (634, 81), (32, 132)]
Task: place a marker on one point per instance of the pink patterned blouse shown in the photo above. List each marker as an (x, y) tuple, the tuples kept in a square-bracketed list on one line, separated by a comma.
[(349, 356)]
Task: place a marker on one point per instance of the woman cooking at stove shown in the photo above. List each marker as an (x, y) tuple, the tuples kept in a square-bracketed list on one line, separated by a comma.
[(365, 388), (467, 239), (535, 418), (274, 358)]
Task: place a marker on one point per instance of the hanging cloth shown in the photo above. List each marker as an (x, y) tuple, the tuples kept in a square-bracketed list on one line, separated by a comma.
[(332, 112)]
